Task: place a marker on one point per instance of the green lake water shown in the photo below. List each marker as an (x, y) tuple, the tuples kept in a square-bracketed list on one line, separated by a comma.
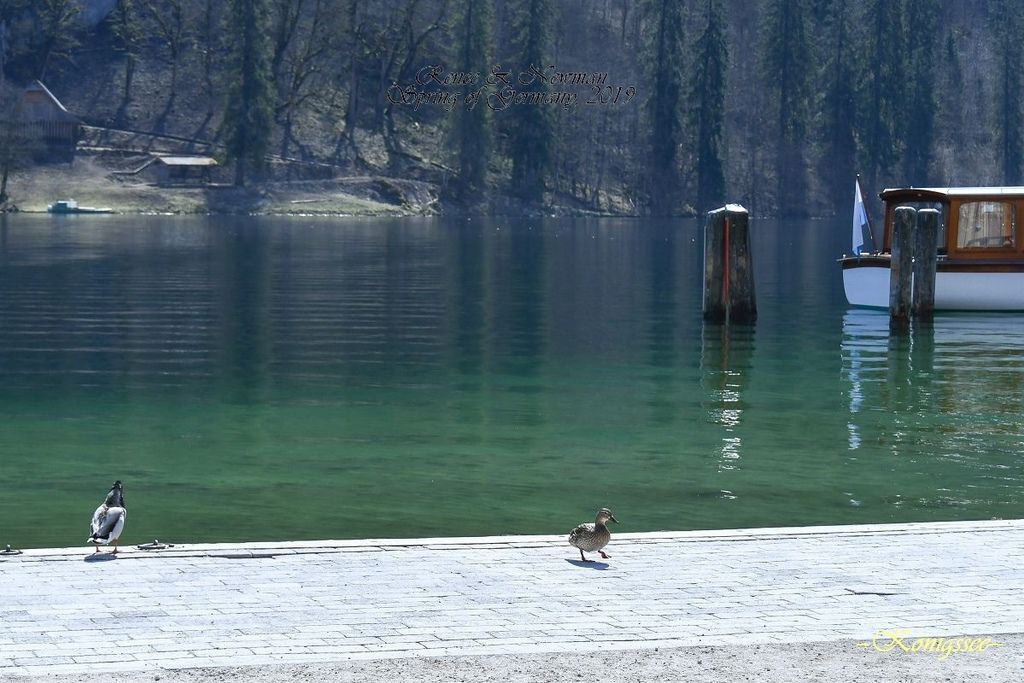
[(311, 378)]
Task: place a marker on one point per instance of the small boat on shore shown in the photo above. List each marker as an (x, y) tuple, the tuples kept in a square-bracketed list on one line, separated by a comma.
[(980, 248), (71, 206)]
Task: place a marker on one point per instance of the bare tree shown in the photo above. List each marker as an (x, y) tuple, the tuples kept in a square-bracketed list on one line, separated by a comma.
[(55, 21), (356, 29), (302, 64), (208, 43), (128, 31), (285, 17), (171, 19), (407, 48)]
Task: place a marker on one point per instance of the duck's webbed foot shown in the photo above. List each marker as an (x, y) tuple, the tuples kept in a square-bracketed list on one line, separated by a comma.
[(604, 555)]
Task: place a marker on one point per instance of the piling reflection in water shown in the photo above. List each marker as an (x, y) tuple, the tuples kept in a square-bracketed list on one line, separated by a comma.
[(726, 365), (948, 394), (954, 360)]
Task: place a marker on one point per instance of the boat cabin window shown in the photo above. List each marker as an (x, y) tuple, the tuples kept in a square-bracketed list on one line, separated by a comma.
[(986, 225)]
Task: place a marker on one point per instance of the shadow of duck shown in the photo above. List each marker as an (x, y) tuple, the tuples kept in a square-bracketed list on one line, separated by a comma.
[(589, 564)]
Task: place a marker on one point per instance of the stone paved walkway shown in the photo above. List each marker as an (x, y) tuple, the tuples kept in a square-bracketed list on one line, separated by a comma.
[(61, 611)]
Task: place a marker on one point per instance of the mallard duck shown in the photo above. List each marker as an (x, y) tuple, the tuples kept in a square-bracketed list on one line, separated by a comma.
[(593, 537), (108, 520)]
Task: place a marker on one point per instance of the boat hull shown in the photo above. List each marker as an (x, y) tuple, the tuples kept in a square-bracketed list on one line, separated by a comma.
[(80, 209), (866, 283)]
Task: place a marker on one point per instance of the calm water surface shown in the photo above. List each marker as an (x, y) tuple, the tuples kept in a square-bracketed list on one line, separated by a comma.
[(306, 378)]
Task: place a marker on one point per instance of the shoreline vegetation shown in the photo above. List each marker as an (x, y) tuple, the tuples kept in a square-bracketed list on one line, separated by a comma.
[(112, 167), (91, 181)]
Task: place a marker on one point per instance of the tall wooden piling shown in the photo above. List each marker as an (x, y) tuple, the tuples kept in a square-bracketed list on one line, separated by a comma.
[(716, 307), (901, 266), (728, 268), (742, 302), (926, 254)]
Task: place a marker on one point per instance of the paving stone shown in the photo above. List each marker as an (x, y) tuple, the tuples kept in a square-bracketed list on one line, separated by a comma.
[(331, 600)]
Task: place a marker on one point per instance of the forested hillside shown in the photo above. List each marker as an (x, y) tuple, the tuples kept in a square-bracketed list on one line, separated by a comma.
[(655, 106)]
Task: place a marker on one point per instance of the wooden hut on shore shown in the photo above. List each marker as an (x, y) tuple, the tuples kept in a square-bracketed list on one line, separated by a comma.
[(52, 130), (176, 169)]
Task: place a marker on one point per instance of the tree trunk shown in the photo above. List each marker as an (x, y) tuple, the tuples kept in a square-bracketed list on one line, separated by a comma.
[(3, 180), (352, 106), (240, 172), (129, 75), (352, 110), (208, 55)]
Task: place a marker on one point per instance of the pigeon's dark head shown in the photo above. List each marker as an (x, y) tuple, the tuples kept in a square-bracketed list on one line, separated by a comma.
[(115, 497)]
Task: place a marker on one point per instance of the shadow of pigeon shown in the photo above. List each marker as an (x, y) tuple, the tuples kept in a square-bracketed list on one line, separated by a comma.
[(100, 557)]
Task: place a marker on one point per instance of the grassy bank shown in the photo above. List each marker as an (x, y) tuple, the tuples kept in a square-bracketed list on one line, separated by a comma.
[(91, 183), (111, 176)]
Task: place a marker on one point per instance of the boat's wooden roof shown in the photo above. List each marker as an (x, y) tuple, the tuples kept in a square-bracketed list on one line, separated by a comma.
[(946, 193)]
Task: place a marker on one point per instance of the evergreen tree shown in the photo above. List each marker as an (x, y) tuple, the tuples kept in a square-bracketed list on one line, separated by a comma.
[(531, 126), (19, 146), (919, 117), (787, 64), (6, 13), (663, 56), (1006, 28), (838, 105), (708, 113), (9, 153), (881, 88), (4, 31), (472, 125), (953, 82), (952, 134), (248, 113)]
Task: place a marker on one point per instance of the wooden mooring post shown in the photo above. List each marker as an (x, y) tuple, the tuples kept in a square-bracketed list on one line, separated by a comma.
[(728, 271), (926, 256), (901, 271), (915, 236)]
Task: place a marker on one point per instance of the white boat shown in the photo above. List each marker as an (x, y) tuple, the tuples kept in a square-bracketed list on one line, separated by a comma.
[(981, 248), (71, 206)]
